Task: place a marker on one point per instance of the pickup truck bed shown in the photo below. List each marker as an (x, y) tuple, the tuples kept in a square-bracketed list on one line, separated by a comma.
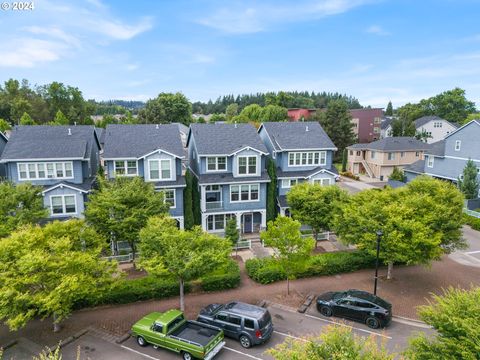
[(195, 333)]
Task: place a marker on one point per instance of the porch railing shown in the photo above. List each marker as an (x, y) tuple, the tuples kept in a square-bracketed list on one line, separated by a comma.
[(214, 205), (243, 244)]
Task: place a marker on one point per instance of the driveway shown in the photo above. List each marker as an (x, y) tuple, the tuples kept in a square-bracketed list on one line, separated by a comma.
[(471, 255)]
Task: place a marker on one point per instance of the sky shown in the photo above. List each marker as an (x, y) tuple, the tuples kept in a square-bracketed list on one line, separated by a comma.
[(375, 50)]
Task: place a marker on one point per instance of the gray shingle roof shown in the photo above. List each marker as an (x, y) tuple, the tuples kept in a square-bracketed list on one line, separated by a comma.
[(87, 184), (417, 167), (437, 148), (228, 178), (393, 144), (303, 173), (386, 123), (49, 142), (425, 119), (225, 139), (395, 184), (100, 135), (135, 141), (294, 135), (179, 182)]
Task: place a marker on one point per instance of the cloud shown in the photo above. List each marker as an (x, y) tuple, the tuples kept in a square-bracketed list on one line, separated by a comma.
[(54, 32), (240, 18), (25, 52), (377, 30), (131, 67), (119, 31)]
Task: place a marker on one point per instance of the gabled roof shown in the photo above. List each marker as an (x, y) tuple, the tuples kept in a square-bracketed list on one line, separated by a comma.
[(477, 122), (297, 136), (395, 184), (418, 167), (225, 139), (84, 187), (3, 137), (101, 136), (401, 143), (41, 142), (437, 148), (305, 174), (426, 119), (386, 123), (136, 141)]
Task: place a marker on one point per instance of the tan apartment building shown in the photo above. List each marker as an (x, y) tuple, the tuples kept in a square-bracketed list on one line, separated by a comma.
[(378, 159)]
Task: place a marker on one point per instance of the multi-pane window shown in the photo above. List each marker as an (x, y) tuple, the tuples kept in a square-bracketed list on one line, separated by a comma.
[(169, 195), (218, 222), (430, 160), (376, 130), (402, 154), (307, 158), (322, 182), (247, 192), (437, 124), (160, 169), (458, 145), (288, 183), (126, 167), (377, 120), (43, 171), (216, 163), (63, 204), (372, 155), (247, 165), (391, 156)]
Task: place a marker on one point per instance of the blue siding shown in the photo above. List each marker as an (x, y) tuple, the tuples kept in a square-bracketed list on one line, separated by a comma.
[(203, 166), (266, 140), (12, 173), (178, 210), (448, 168), (239, 206), (79, 199), (469, 136), (285, 167)]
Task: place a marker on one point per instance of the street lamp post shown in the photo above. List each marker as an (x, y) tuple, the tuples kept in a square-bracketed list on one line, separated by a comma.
[(379, 238)]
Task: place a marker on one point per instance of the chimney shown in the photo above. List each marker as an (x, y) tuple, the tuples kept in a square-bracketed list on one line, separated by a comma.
[(69, 131), (306, 128)]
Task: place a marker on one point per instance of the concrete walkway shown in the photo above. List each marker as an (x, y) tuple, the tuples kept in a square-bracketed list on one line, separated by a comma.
[(353, 186), (471, 255)]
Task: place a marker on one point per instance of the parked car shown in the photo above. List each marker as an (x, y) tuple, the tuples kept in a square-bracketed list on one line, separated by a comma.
[(356, 305), (250, 324), (170, 330)]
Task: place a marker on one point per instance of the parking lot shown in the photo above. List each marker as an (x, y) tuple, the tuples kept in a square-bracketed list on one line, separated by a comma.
[(287, 323)]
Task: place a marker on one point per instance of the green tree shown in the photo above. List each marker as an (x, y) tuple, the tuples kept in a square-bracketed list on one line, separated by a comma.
[(334, 343), (231, 231), (271, 190), (21, 204), (389, 109), (60, 119), (290, 249), (4, 126), (454, 316), (397, 174), (316, 205), (197, 214), (231, 111), (451, 105), (273, 113), (469, 185), (184, 254), (27, 120), (251, 113), (470, 117), (344, 160), (167, 108), (120, 208), (337, 123), (422, 135), (188, 201), (217, 118), (45, 270)]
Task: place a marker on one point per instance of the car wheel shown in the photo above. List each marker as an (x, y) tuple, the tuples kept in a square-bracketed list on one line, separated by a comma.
[(245, 341), (372, 323), (326, 311), (187, 356), (141, 341)]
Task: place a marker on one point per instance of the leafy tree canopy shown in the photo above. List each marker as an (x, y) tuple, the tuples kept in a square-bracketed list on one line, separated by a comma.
[(167, 108), (469, 185), (4, 125)]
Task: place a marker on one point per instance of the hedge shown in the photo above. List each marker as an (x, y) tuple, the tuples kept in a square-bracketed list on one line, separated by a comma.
[(267, 270), (472, 221), (227, 277)]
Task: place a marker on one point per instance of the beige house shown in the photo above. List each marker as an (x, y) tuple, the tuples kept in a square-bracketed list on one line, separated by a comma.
[(378, 159)]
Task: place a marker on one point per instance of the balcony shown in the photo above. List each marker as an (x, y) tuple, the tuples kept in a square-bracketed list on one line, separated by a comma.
[(214, 205)]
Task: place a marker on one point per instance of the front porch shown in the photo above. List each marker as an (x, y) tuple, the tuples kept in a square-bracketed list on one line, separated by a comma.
[(248, 222)]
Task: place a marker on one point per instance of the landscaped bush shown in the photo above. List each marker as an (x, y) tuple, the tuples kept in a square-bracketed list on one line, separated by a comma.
[(472, 221), (266, 270), (349, 175), (227, 277)]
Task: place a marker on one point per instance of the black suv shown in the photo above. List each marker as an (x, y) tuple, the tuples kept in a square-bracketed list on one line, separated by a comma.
[(250, 324), (356, 305)]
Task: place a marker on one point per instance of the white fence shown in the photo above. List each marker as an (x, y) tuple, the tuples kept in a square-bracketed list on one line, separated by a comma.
[(472, 213), (243, 244), (121, 258), (320, 236)]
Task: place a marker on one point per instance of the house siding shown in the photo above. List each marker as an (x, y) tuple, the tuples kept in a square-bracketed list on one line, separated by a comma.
[(283, 161), (79, 200), (77, 167), (437, 133)]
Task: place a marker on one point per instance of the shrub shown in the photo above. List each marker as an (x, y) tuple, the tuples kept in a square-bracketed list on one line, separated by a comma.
[(472, 221), (349, 175), (266, 270), (226, 277)]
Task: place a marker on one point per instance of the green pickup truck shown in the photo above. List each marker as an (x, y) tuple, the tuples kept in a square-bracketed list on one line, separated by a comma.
[(170, 330)]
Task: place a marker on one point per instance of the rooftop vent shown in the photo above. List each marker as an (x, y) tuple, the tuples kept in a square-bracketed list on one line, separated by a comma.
[(235, 124), (69, 131), (306, 128), (156, 126)]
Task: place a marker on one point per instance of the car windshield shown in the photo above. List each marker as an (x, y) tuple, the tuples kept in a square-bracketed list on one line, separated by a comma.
[(264, 320), (338, 296), (174, 323)]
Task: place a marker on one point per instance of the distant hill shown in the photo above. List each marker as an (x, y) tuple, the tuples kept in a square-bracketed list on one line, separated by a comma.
[(113, 107)]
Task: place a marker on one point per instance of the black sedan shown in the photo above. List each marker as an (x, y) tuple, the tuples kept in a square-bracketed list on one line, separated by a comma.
[(356, 305)]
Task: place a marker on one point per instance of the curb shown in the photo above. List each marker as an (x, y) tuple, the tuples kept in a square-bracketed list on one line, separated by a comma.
[(123, 338), (8, 345), (411, 322), (306, 304)]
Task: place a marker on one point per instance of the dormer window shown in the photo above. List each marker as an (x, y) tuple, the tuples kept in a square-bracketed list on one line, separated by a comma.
[(247, 165), (217, 163), (160, 169)]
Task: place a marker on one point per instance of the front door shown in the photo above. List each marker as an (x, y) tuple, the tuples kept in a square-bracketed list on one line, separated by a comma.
[(247, 223)]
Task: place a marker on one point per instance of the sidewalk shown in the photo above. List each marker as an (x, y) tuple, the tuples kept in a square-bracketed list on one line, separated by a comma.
[(409, 288)]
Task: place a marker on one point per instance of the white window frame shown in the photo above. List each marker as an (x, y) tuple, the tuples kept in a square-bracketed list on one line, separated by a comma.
[(323, 181), (160, 178), (391, 156), (63, 205), (312, 158), (174, 197), (372, 155), (248, 157), (430, 161), (45, 165), (287, 183), (214, 229), (458, 145), (240, 193), (216, 164), (125, 168)]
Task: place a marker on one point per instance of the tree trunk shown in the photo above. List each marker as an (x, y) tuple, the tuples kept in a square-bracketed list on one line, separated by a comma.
[(288, 285), (315, 236), (389, 270), (182, 300), (56, 324), (134, 253)]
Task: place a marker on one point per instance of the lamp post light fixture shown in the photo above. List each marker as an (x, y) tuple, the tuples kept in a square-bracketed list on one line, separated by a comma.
[(379, 238)]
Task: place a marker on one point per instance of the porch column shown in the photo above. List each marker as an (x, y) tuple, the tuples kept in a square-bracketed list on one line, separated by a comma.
[(181, 223), (263, 224), (202, 199), (204, 221), (238, 216), (282, 211)]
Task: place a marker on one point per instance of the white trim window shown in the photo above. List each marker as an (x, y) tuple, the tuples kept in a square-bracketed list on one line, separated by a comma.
[(372, 155), (216, 163), (160, 169), (430, 161), (391, 156), (125, 167), (218, 222), (323, 182), (244, 193), (169, 196), (63, 205), (247, 165), (45, 170), (458, 145), (288, 183), (307, 158)]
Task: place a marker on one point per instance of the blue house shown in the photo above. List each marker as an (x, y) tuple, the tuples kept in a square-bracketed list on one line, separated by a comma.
[(153, 152), (447, 158), (62, 159), (229, 163), (302, 151), (3, 143)]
